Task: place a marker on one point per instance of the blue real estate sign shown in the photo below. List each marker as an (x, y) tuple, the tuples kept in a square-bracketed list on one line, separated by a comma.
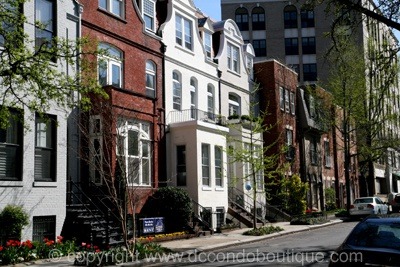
[(153, 225)]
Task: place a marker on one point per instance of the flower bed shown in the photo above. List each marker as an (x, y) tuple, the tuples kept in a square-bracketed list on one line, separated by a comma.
[(84, 254), (164, 237)]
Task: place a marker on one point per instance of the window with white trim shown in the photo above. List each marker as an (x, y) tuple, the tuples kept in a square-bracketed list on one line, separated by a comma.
[(110, 66), (149, 7), (150, 79), (205, 164), (11, 143), (115, 7), (45, 15), (207, 44), (218, 166), (134, 151), (234, 104), (210, 100), (193, 98), (287, 101), (183, 32), (96, 149), (233, 58), (177, 90), (45, 148), (282, 98), (292, 103)]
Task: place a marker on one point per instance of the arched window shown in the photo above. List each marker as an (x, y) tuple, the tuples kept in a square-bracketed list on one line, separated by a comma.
[(242, 18), (110, 66), (177, 90), (234, 104), (150, 78), (135, 152), (210, 100), (258, 18), (290, 17), (193, 98)]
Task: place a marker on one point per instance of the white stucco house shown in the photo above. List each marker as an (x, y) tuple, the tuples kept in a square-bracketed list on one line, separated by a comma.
[(205, 65), (33, 160)]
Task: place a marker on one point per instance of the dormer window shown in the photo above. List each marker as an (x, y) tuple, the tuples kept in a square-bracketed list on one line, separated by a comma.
[(183, 32), (148, 14), (233, 58), (113, 6), (207, 44)]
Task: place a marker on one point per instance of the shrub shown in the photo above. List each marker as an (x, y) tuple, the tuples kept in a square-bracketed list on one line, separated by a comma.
[(314, 218), (294, 194), (12, 220), (265, 230), (174, 204), (330, 198)]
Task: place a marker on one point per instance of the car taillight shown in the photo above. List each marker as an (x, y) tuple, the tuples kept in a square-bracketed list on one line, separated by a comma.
[(370, 206), (351, 206)]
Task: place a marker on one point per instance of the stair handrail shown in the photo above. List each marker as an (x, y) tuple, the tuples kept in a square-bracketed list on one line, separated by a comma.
[(233, 190), (82, 193), (94, 185), (267, 205), (198, 216)]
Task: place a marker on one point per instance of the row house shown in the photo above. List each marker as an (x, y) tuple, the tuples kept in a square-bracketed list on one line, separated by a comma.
[(207, 78), (278, 91), (33, 160), (122, 136)]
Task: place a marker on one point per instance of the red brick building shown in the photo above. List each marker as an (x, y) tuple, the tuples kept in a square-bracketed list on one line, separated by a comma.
[(277, 93), (132, 116)]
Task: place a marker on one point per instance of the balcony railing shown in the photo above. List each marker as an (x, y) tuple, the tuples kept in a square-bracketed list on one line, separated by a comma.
[(195, 115)]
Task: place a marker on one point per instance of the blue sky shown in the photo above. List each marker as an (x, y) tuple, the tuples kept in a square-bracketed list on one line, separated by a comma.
[(212, 8)]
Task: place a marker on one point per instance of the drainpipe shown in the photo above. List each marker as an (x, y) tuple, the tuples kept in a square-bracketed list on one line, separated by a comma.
[(219, 73)]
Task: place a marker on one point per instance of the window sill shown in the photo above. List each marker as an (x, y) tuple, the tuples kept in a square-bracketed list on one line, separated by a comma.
[(219, 189), (11, 184), (44, 184), (183, 49), (234, 72), (206, 188)]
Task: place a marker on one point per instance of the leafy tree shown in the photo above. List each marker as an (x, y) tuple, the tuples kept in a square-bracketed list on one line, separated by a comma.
[(294, 194), (36, 77), (360, 104)]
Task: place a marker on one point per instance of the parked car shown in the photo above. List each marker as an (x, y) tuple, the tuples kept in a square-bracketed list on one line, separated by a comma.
[(394, 202), (375, 241), (365, 206)]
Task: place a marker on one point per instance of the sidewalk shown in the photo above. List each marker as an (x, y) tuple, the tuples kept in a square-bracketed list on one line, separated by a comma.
[(201, 244), (236, 237)]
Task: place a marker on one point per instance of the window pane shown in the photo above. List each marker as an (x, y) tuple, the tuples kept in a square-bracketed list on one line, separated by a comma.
[(44, 14), (103, 4), (188, 34), (133, 146), (178, 29), (102, 72), (145, 171), (116, 75), (117, 7)]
